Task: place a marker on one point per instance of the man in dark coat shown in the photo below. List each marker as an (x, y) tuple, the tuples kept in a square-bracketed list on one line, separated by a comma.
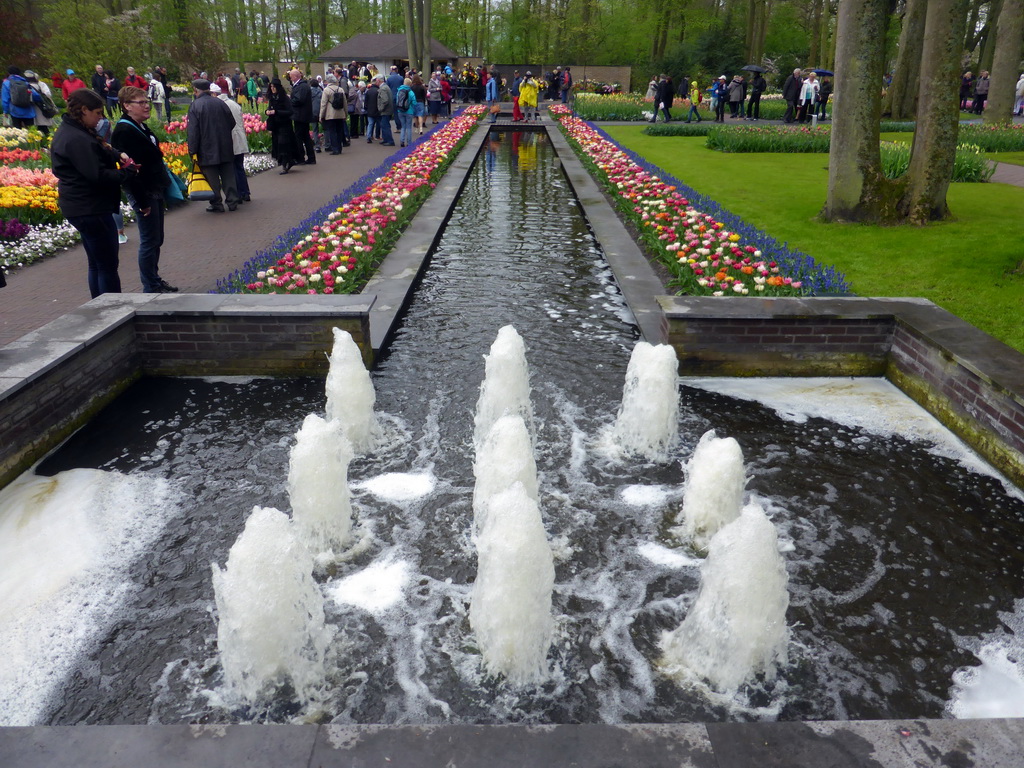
[(210, 123), (302, 116), (99, 82), (791, 93), (757, 87), (663, 96)]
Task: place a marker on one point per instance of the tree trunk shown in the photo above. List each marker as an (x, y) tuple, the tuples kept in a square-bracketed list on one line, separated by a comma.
[(938, 123), (1005, 62), (814, 54), (988, 42), (901, 100), (425, 22), (410, 29), (857, 189)]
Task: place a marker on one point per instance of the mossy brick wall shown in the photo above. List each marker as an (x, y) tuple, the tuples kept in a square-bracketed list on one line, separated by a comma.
[(986, 415), (971, 382), (39, 411), (785, 346)]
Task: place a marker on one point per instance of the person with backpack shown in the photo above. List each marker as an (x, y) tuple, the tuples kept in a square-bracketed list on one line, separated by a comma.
[(45, 109), (333, 113), (405, 110), (156, 94), (18, 99)]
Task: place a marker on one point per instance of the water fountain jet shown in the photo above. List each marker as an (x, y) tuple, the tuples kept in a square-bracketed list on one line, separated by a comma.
[(350, 394), (504, 458), (506, 385), (318, 484), (713, 492), (647, 423)]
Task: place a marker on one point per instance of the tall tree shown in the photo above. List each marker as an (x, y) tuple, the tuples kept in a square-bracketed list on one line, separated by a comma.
[(938, 120), (901, 99), (1005, 62), (857, 188)]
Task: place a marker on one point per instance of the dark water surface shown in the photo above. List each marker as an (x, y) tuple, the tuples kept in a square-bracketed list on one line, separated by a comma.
[(894, 551)]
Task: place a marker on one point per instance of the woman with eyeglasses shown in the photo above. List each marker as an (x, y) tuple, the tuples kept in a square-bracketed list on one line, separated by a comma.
[(89, 186), (146, 190)]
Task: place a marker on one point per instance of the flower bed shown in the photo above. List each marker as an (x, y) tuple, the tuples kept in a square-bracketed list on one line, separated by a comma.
[(255, 131), (340, 251), (707, 250), (993, 138), (770, 138)]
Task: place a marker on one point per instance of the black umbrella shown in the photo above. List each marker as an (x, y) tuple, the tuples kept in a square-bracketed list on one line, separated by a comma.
[(823, 73), (755, 68)]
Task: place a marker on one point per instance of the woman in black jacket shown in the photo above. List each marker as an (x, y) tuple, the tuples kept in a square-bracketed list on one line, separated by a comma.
[(279, 123), (89, 186), (146, 191)]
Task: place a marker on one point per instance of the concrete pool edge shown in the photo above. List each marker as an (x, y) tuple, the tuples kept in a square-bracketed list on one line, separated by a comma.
[(837, 744)]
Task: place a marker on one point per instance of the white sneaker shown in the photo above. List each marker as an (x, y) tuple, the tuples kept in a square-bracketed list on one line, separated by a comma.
[(122, 238)]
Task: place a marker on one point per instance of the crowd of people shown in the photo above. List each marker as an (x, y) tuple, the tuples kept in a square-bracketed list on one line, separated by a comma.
[(806, 97)]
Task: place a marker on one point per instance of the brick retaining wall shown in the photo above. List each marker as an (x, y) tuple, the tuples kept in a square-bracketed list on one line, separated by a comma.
[(971, 382), (53, 380)]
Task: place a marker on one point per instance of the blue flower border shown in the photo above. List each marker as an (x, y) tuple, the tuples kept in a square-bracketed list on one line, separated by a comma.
[(818, 279), (236, 281)]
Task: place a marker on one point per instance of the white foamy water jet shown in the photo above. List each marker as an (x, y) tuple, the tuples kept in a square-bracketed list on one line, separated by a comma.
[(350, 394), (399, 487), (506, 385), (647, 424), (270, 613), (510, 608), (504, 458), (736, 627), (318, 485), (67, 544), (713, 492), (996, 687)]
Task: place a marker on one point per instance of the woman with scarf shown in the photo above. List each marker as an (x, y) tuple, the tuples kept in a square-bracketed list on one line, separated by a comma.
[(279, 122), (89, 186)]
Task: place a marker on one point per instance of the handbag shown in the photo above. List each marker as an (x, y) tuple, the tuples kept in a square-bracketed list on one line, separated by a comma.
[(198, 187), (495, 109), (176, 188)]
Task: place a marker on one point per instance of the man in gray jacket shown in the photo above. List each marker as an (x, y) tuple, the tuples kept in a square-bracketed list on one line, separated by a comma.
[(210, 123), (386, 107)]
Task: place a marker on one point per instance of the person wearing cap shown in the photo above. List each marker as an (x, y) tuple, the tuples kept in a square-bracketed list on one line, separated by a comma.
[(41, 121), (239, 143), (22, 115), (157, 95), (719, 95), (791, 93), (71, 84), (210, 124)]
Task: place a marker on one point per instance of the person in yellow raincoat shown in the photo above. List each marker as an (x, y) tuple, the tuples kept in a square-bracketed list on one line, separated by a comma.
[(528, 97), (694, 101)]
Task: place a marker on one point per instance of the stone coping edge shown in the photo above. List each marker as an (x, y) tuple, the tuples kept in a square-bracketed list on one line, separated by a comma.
[(837, 744)]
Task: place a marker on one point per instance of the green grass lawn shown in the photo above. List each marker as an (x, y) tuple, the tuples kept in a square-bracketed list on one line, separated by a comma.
[(1014, 158), (964, 265)]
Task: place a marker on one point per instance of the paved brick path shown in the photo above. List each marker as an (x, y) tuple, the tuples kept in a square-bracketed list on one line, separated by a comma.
[(199, 247)]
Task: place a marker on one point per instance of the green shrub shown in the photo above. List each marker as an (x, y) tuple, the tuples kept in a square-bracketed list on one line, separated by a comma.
[(970, 165), (769, 138), (897, 126), (993, 138), (680, 129)]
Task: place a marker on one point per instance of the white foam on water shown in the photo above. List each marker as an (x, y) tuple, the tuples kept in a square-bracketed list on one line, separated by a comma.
[(506, 384), (399, 487), (872, 404), (504, 458), (318, 485), (996, 687), (350, 394), (645, 495), (376, 588), (713, 493), (510, 611), (647, 424), (67, 544), (670, 558), (736, 627), (270, 613)]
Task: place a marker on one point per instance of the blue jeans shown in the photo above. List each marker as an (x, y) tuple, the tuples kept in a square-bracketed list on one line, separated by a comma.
[(99, 237), (406, 127), (385, 130), (151, 238), (241, 180), (371, 127)]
